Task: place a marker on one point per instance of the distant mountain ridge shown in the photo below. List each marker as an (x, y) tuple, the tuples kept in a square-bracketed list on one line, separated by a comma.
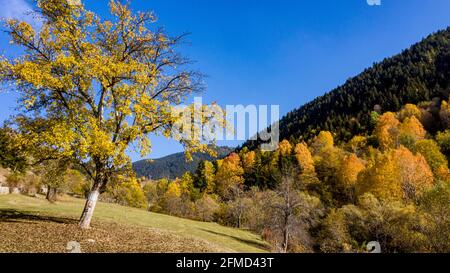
[(418, 74), (174, 165)]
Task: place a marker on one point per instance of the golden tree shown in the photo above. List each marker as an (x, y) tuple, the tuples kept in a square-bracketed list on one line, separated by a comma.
[(396, 174), (248, 161), (285, 148), (304, 159), (408, 111), (349, 170), (89, 88), (386, 130), (415, 175), (410, 131), (432, 153), (382, 179), (322, 142), (229, 175)]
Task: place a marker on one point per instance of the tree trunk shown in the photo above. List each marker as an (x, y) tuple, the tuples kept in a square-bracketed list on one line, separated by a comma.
[(286, 240), (51, 194), (86, 217)]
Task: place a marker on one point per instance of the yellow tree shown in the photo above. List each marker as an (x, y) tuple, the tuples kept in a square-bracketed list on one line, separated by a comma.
[(304, 159), (306, 163), (322, 142), (410, 131), (327, 157), (229, 175), (386, 130), (357, 144), (431, 151), (285, 148), (349, 170), (174, 190), (89, 88), (248, 161), (381, 179), (415, 175), (187, 183), (396, 174), (408, 111)]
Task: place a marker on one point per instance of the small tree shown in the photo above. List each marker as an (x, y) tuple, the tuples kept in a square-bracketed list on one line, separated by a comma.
[(286, 206), (53, 175), (89, 88)]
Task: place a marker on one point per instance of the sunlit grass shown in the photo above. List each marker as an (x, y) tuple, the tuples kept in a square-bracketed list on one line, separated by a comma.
[(227, 238)]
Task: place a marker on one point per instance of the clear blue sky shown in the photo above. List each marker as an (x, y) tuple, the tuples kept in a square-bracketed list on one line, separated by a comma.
[(283, 52)]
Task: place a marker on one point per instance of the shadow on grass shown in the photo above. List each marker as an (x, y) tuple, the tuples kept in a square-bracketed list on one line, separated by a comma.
[(260, 245), (11, 215)]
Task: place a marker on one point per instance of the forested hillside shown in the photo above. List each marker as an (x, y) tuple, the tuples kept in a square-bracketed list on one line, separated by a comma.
[(174, 165), (391, 186), (420, 73)]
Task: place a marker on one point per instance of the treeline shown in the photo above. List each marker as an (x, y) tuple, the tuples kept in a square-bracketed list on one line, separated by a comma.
[(175, 165), (392, 186), (420, 73)]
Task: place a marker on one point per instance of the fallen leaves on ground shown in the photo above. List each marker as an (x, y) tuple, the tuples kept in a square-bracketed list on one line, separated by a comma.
[(30, 233)]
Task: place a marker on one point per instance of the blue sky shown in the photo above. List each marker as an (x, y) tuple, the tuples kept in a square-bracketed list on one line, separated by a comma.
[(283, 52)]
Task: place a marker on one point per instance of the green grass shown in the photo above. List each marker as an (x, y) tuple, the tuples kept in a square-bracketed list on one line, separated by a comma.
[(229, 239)]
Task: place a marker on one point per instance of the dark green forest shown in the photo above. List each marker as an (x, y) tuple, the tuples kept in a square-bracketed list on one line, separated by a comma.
[(175, 165), (420, 73)]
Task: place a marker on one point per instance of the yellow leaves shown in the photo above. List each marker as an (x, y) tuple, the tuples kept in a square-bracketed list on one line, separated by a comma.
[(304, 158), (248, 160), (431, 151), (391, 133), (118, 9), (357, 143), (285, 148), (408, 111), (206, 176), (127, 191), (415, 174), (66, 62), (322, 142), (412, 129), (396, 174), (349, 170), (30, 72), (99, 141), (21, 32), (229, 174), (382, 179), (386, 130), (45, 138), (173, 190)]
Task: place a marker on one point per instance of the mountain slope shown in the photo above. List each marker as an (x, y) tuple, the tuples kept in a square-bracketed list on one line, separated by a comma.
[(174, 165), (417, 74)]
